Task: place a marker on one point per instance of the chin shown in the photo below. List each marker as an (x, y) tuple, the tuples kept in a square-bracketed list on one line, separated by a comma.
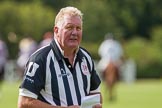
[(73, 46)]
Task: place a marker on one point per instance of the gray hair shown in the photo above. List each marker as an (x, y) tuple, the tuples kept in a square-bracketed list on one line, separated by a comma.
[(72, 11)]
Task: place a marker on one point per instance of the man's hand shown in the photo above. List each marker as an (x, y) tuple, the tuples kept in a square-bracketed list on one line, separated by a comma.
[(74, 106), (97, 106)]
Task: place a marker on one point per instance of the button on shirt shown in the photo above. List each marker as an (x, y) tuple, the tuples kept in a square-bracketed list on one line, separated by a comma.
[(52, 79)]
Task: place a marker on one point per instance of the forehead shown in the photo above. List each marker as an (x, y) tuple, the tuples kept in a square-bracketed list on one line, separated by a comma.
[(72, 20)]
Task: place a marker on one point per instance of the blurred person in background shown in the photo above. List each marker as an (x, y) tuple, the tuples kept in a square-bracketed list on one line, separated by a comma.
[(3, 59), (47, 38), (111, 54), (61, 74), (26, 47)]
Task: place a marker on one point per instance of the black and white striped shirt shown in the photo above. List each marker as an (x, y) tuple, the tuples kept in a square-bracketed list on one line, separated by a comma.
[(52, 79)]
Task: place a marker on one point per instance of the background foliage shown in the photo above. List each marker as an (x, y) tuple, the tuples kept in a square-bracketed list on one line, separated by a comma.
[(136, 24)]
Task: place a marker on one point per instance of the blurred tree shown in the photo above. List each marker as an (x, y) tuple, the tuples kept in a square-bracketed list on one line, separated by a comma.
[(136, 17), (20, 1), (147, 57), (157, 36), (25, 19), (55, 4)]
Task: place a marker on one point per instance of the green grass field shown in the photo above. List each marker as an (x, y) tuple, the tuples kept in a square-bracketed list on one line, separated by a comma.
[(141, 94)]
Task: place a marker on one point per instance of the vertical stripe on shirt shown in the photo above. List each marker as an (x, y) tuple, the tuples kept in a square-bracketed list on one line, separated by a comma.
[(60, 84), (77, 86), (85, 83), (80, 80), (66, 84)]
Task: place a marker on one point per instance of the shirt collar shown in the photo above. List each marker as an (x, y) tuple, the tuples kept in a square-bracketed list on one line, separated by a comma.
[(62, 51)]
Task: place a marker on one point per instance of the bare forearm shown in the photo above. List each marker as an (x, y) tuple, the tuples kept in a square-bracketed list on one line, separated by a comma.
[(26, 102)]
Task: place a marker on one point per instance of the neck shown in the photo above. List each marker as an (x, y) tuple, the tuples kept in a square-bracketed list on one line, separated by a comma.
[(70, 54)]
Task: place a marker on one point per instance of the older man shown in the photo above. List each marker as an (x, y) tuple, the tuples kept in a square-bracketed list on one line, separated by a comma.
[(61, 74)]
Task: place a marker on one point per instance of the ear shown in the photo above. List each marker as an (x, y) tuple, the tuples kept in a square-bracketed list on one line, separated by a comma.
[(55, 29)]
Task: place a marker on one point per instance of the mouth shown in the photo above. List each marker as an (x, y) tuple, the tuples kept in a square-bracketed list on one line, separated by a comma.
[(73, 39)]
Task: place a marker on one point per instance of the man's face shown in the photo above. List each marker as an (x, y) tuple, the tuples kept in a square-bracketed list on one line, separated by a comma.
[(69, 32)]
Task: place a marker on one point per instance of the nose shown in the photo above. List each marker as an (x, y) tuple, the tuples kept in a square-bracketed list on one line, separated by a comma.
[(74, 31)]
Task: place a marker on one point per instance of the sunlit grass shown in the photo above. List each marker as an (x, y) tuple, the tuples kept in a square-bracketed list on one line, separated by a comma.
[(141, 94), (9, 95)]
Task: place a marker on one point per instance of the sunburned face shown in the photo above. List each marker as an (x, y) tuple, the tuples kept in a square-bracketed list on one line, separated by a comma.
[(69, 32)]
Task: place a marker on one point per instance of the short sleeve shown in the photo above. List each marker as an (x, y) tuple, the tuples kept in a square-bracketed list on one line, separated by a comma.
[(34, 79), (95, 80)]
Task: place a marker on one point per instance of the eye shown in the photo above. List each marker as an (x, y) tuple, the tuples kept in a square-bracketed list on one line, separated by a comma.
[(78, 28), (69, 27)]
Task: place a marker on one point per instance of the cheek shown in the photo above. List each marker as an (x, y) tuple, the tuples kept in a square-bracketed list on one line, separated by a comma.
[(61, 34), (60, 37)]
